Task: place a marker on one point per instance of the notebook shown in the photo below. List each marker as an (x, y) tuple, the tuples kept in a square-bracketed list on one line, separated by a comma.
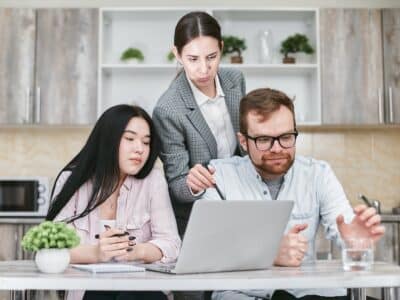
[(108, 267), (230, 236)]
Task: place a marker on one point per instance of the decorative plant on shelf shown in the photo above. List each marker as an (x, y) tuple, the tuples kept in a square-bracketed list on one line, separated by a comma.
[(132, 55), (170, 56), (293, 44), (50, 241), (233, 44)]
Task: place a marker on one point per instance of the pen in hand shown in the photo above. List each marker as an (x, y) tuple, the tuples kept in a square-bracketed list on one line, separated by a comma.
[(219, 192), (206, 165), (97, 236)]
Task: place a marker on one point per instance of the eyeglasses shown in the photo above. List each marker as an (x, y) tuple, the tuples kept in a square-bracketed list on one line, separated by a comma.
[(265, 142)]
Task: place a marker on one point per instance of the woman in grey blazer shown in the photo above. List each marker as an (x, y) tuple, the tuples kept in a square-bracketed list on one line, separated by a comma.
[(197, 117)]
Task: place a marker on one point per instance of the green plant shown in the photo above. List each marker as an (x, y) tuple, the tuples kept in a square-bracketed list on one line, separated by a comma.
[(170, 56), (132, 53), (55, 235), (296, 43), (233, 44)]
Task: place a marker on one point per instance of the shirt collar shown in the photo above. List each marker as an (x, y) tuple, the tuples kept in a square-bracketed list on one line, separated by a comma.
[(128, 182), (200, 97)]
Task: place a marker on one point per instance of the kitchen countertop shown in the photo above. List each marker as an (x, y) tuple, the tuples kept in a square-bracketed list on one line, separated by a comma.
[(389, 218), (21, 220), (386, 218)]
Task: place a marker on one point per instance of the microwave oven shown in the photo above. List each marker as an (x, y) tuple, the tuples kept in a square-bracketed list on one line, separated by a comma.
[(24, 196)]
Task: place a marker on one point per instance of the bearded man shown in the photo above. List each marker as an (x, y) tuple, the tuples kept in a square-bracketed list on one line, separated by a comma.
[(272, 171)]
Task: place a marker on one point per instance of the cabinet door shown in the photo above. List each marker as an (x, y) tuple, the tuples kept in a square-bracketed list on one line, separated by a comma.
[(17, 53), (351, 65), (66, 65), (11, 235), (391, 48)]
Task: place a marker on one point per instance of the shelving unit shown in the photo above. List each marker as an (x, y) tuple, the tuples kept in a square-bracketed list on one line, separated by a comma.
[(152, 29)]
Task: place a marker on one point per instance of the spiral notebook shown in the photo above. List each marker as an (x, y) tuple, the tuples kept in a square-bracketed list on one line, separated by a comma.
[(108, 267)]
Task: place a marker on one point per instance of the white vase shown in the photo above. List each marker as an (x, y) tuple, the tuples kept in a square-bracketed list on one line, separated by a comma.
[(52, 260), (266, 47), (132, 61)]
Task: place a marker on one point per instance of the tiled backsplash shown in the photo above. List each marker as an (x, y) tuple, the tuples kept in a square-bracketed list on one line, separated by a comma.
[(365, 160)]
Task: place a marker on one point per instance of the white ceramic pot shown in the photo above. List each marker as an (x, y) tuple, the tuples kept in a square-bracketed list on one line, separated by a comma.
[(132, 61), (52, 260)]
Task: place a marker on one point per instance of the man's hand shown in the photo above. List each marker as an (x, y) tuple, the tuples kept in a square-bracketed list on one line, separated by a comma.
[(365, 224), (293, 247), (200, 178)]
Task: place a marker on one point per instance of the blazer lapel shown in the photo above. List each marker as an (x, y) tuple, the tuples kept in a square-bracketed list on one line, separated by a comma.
[(195, 116), (232, 100)]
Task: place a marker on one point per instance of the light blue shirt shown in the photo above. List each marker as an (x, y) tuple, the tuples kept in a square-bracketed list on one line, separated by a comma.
[(317, 194)]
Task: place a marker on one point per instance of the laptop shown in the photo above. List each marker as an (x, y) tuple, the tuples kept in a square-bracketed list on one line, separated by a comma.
[(232, 235)]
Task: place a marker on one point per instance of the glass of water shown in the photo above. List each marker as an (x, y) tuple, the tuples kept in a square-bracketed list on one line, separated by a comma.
[(357, 254)]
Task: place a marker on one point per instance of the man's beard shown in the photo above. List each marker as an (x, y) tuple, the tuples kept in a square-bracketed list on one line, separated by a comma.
[(267, 170)]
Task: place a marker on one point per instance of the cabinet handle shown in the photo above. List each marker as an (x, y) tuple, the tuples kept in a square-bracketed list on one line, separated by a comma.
[(380, 106), (28, 105), (391, 113), (37, 105)]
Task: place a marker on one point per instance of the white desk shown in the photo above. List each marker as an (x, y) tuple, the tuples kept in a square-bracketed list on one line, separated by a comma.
[(23, 275)]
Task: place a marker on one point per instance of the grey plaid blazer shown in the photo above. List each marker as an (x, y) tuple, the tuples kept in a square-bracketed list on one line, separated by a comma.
[(185, 136)]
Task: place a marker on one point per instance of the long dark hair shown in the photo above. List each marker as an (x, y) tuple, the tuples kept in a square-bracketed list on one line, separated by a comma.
[(193, 25), (98, 160)]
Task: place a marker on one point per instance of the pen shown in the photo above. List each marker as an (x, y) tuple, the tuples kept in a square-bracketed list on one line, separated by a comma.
[(219, 192), (205, 165), (116, 235)]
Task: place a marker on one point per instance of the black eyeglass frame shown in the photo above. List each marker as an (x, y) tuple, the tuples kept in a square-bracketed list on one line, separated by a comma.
[(273, 139)]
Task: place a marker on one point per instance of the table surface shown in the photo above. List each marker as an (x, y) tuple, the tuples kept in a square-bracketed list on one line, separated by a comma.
[(23, 275), (386, 218)]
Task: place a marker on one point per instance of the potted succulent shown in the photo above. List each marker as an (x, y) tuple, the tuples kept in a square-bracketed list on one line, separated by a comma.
[(233, 44), (132, 55), (50, 241), (293, 44)]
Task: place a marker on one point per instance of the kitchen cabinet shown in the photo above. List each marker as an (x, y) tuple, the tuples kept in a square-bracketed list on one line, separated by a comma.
[(51, 78), (391, 54), (17, 56), (360, 66), (351, 66), (66, 65), (11, 236)]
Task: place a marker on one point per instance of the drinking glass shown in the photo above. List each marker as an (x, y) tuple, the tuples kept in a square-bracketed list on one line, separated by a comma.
[(357, 254)]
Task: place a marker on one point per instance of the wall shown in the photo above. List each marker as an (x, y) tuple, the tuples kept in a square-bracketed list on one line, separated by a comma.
[(365, 160)]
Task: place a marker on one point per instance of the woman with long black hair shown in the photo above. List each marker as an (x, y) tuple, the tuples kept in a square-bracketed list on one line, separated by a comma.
[(112, 179)]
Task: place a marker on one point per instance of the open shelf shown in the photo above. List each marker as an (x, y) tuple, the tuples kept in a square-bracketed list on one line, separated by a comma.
[(143, 83)]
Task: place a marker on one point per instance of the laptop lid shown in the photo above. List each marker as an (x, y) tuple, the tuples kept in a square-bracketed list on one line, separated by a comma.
[(232, 235)]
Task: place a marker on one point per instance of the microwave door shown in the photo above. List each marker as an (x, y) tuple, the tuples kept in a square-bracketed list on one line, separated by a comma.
[(18, 196)]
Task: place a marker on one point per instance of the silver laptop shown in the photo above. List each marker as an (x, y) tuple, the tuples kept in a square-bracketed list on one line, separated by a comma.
[(230, 236)]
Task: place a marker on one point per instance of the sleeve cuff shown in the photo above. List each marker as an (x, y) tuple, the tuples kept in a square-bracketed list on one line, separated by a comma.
[(198, 194), (169, 251)]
